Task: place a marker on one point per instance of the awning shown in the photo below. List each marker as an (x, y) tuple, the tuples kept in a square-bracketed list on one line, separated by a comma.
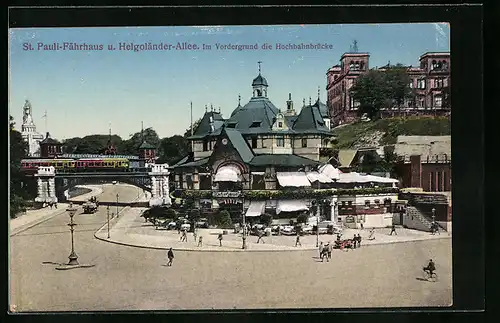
[(258, 173), (315, 176), (228, 173), (291, 206), (294, 179), (354, 177), (330, 171), (256, 208)]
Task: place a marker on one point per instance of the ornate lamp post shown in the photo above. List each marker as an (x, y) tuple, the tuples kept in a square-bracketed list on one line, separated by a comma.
[(117, 196), (433, 215), (73, 258), (244, 229), (108, 220)]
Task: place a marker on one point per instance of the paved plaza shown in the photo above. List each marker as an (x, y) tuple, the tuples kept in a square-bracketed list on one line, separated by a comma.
[(131, 278)]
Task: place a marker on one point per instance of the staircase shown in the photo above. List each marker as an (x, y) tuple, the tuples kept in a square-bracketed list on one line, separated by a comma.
[(424, 219)]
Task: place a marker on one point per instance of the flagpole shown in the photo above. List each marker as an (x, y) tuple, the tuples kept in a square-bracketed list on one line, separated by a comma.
[(46, 128), (192, 125)]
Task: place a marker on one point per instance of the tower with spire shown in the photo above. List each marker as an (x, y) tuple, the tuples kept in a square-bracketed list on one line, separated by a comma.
[(290, 111), (259, 85), (29, 133), (111, 148), (147, 152)]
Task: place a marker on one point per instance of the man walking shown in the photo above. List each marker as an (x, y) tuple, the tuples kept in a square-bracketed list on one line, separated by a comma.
[(297, 241), (393, 230), (200, 241), (184, 236), (194, 235), (359, 240), (170, 256), (220, 239), (261, 234)]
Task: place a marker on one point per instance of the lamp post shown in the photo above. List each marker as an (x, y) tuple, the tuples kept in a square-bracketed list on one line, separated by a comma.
[(108, 220), (433, 215), (73, 258), (117, 196), (317, 219), (244, 238)]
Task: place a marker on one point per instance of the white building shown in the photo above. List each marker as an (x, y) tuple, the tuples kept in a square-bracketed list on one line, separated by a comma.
[(29, 133)]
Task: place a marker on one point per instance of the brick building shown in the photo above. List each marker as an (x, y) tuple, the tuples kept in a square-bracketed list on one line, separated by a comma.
[(428, 81), (426, 162)]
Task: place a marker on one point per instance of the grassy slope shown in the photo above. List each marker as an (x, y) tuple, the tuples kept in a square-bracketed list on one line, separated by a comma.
[(393, 127)]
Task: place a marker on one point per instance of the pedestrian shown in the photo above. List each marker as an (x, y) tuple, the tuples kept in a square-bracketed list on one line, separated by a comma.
[(320, 249), (359, 240), (372, 234), (355, 240), (200, 241), (297, 241), (330, 248), (170, 256), (55, 205), (393, 229), (194, 235), (51, 205), (261, 234), (220, 239), (362, 227)]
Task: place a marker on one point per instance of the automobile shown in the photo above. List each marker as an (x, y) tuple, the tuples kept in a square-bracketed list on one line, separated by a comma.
[(171, 225), (185, 226), (258, 227), (114, 182), (307, 229), (288, 230), (334, 229)]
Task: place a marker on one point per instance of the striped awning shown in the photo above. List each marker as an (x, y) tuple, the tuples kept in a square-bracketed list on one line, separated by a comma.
[(256, 208), (228, 173)]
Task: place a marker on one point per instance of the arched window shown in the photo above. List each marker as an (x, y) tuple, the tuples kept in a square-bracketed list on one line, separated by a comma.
[(335, 77), (259, 93), (361, 65)]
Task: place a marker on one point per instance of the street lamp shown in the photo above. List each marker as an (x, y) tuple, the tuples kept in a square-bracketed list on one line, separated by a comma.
[(433, 214), (244, 246), (73, 258), (117, 196), (108, 220)]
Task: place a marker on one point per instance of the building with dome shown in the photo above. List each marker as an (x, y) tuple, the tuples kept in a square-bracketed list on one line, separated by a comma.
[(29, 133), (263, 158)]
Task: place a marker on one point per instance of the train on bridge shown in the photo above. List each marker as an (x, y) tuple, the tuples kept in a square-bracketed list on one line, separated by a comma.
[(75, 164)]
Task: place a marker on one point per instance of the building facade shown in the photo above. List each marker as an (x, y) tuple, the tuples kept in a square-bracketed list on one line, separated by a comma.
[(264, 160), (430, 82), (29, 133)]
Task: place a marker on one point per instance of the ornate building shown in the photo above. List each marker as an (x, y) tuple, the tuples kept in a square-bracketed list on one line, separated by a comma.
[(428, 81), (29, 133), (264, 160)]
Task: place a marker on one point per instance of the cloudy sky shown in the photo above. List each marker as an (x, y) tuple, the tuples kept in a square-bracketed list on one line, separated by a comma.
[(84, 91)]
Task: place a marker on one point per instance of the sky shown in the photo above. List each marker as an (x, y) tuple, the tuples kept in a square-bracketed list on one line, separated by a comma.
[(90, 91)]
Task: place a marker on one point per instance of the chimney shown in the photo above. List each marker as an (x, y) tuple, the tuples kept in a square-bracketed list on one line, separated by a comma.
[(415, 171)]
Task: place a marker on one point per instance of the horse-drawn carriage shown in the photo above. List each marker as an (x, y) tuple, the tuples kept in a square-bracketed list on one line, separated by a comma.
[(344, 244)]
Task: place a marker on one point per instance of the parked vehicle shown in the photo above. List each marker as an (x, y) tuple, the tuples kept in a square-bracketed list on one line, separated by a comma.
[(202, 223)]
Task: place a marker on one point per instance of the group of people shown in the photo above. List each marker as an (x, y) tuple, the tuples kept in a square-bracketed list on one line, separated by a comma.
[(52, 204), (183, 237), (325, 251)]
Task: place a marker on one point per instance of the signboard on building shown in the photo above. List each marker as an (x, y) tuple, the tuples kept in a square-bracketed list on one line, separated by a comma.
[(226, 194)]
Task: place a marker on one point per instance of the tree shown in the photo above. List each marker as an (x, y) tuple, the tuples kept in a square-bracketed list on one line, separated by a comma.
[(131, 145), (303, 217), (18, 151), (379, 89), (172, 149), (224, 219), (187, 133), (446, 99)]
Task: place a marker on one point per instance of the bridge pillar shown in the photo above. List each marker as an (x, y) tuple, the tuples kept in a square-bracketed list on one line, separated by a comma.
[(46, 185), (160, 194)]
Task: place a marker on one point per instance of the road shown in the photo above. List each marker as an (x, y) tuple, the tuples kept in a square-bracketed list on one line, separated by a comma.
[(127, 278)]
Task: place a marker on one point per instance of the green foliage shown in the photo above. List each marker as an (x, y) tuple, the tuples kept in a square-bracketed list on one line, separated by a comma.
[(131, 145), (18, 150), (349, 135), (159, 212), (172, 149), (223, 219), (377, 89), (91, 144)]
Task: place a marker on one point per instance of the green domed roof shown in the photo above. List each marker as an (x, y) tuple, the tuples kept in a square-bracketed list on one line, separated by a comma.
[(259, 80)]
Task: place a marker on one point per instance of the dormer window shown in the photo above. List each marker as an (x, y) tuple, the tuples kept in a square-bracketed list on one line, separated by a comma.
[(231, 124), (321, 123), (280, 124), (255, 124)]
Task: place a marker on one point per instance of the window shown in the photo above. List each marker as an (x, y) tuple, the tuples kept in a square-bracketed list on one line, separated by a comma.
[(349, 203), (232, 125), (445, 187), (343, 203), (439, 181), (280, 124), (259, 93), (280, 142), (304, 142), (263, 143), (438, 83), (421, 83), (255, 124), (254, 142), (432, 182), (411, 84), (438, 101), (205, 145)]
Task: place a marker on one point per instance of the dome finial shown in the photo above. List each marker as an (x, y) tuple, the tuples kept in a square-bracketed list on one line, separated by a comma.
[(239, 99), (259, 62), (205, 108), (303, 102), (318, 92), (309, 100)]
